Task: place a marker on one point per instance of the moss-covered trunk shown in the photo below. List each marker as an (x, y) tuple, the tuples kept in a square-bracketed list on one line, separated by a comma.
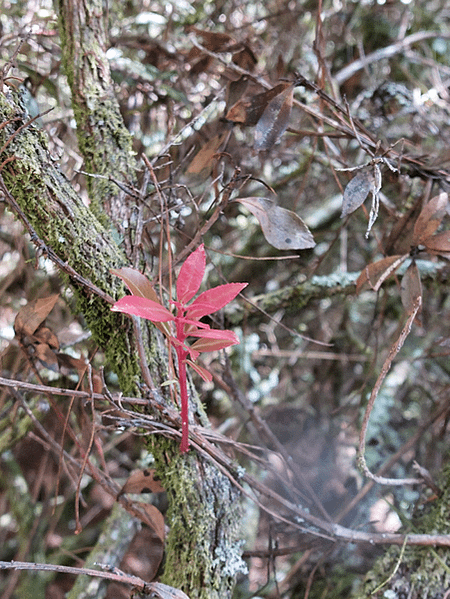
[(203, 552)]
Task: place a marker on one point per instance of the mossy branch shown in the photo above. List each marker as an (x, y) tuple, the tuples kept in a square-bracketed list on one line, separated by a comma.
[(204, 506)]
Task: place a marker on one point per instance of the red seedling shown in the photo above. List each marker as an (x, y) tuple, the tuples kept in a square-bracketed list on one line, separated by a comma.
[(186, 322)]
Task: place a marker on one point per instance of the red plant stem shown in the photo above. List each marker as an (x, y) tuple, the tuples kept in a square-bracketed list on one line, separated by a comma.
[(182, 378)]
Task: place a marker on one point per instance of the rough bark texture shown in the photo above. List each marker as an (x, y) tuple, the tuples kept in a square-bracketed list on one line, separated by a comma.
[(104, 141), (203, 551)]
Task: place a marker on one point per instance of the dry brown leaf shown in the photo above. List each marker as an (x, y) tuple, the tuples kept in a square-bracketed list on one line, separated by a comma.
[(47, 336), (438, 244), (212, 40), (31, 316), (46, 356), (282, 228), (249, 112), (376, 273), (411, 288), (235, 91), (274, 120), (357, 191), (152, 517), (142, 481), (204, 158), (430, 218), (400, 238), (245, 59)]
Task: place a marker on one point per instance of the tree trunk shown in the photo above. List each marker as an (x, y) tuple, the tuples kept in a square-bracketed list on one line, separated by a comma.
[(203, 550)]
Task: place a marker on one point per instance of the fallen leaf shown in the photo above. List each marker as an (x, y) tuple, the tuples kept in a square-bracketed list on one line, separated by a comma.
[(142, 481), (31, 316), (357, 191), (282, 228)]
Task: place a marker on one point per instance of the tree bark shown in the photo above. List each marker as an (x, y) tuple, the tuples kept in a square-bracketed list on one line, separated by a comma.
[(203, 550)]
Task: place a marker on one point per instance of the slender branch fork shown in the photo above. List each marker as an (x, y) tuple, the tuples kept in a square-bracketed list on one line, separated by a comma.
[(153, 589), (205, 441)]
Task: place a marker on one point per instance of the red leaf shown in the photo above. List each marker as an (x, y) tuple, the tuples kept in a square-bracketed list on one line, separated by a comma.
[(204, 345), (205, 374), (191, 275), (143, 307), (137, 283), (214, 299)]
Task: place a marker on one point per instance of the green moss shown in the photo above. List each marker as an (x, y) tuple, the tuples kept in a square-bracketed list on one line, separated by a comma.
[(66, 226), (203, 555)]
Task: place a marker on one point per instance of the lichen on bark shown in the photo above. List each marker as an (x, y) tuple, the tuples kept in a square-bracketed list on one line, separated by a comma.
[(203, 549), (68, 227), (203, 546)]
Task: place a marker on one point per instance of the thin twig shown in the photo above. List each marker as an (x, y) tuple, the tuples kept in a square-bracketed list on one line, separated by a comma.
[(395, 348)]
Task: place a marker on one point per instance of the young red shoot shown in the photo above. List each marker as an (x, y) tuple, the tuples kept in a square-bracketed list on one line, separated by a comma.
[(185, 322)]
